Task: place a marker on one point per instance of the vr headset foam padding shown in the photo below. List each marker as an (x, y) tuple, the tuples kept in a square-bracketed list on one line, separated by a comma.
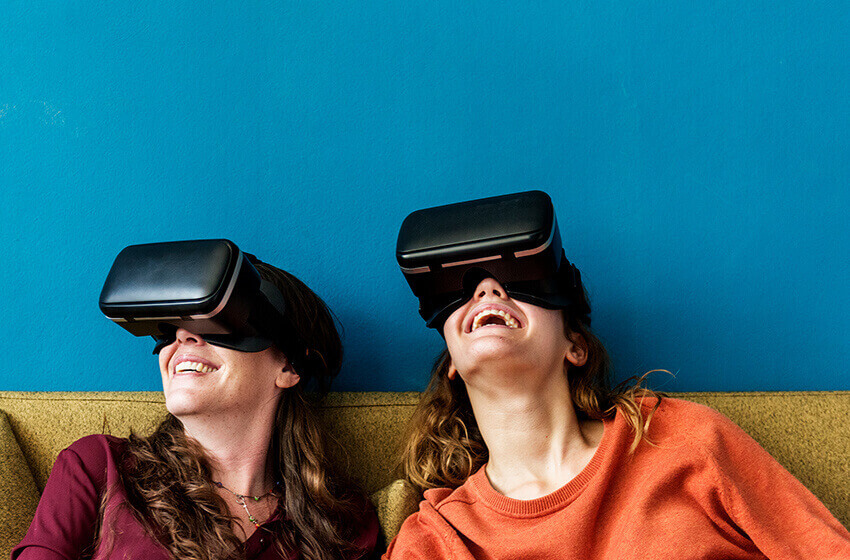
[(445, 251)]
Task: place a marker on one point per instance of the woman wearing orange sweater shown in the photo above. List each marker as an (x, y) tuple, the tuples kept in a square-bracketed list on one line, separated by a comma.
[(522, 448)]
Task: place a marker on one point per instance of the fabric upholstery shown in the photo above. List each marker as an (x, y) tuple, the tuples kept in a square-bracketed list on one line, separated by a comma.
[(394, 503), (805, 431), (17, 488), (369, 427), (47, 423)]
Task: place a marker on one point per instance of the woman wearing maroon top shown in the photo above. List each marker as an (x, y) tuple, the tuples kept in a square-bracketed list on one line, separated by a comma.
[(237, 470)]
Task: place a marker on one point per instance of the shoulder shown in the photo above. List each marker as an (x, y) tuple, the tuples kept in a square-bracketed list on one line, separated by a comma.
[(676, 419), (97, 443), (426, 534), (95, 448), (438, 504), (364, 529), (760, 495), (94, 455), (438, 498), (687, 433)]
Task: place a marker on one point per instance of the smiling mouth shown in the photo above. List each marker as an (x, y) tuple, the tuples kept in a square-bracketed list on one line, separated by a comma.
[(193, 367), (495, 317)]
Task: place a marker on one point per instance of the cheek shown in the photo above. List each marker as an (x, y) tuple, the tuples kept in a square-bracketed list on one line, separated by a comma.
[(555, 322), (451, 334), (553, 335), (165, 357), (260, 369), (548, 320), (453, 321)]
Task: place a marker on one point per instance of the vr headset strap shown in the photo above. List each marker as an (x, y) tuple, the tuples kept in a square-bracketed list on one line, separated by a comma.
[(270, 318), (570, 280)]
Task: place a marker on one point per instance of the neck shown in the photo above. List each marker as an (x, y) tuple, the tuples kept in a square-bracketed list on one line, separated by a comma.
[(535, 440), (237, 447)]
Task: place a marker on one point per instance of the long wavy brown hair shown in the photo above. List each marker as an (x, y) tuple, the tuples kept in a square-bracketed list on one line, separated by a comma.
[(443, 444), (167, 476)]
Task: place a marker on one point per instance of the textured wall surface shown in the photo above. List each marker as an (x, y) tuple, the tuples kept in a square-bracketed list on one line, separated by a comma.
[(697, 155)]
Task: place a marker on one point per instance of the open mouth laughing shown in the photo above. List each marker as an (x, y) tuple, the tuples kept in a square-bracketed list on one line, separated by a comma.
[(493, 315), (193, 365)]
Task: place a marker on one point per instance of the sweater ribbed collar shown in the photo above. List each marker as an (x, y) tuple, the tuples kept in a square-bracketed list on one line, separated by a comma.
[(551, 502)]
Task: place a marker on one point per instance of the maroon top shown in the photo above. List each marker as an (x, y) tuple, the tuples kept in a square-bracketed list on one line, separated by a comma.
[(65, 520)]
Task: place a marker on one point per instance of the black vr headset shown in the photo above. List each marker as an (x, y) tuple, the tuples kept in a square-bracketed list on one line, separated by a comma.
[(445, 252), (208, 287)]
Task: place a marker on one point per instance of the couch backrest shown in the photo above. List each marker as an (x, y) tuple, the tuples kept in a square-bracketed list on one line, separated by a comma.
[(367, 425), (808, 432)]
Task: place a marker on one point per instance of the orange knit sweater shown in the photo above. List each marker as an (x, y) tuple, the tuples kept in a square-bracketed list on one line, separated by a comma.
[(704, 490)]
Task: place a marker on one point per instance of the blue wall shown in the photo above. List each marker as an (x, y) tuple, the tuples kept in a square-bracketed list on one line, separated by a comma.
[(697, 155)]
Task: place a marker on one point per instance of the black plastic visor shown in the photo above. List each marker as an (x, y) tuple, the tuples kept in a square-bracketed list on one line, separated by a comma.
[(231, 341), (546, 293), (208, 287), (445, 251)]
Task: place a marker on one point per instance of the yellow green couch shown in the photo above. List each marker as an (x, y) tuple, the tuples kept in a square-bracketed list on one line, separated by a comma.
[(808, 432)]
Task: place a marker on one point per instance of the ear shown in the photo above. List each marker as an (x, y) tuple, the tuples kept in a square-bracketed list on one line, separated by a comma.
[(577, 351), (452, 373), (287, 377)]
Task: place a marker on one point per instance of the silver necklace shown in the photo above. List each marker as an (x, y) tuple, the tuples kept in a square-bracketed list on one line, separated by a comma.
[(241, 499)]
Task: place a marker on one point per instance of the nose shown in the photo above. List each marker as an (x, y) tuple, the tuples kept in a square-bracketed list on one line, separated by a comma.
[(188, 337), (489, 287)]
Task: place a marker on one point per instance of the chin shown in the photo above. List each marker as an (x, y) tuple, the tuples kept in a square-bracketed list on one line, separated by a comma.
[(491, 348), (180, 404)]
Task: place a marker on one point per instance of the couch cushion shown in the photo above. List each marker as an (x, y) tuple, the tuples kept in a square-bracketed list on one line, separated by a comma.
[(807, 432), (367, 426), (17, 487), (394, 503), (46, 422)]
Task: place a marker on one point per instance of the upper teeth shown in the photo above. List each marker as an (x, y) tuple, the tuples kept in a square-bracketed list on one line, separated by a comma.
[(194, 366), (510, 322)]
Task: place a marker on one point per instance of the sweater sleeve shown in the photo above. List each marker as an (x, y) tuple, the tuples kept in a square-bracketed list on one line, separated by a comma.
[(65, 520), (780, 515), (423, 537)]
